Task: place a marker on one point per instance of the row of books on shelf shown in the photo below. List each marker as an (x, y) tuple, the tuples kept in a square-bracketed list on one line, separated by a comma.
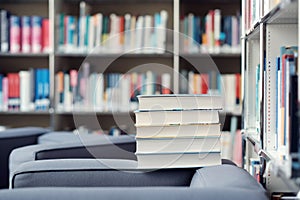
[(23, 34), (214, 83), (255, 9), (212, 33), (25, 90), (287, 100), (99, 33), (175, 131), (82, 90)]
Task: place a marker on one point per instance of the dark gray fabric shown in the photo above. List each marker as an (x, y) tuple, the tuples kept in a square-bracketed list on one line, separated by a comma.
[(122, 147), (11, 139), (95, 173), (224, 176), (125, 193), (58, 137)]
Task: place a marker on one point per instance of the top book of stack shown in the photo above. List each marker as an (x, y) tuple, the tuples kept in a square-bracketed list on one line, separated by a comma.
[(180, 102)]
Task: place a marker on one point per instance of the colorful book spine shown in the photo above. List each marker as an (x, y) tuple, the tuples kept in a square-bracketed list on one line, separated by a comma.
[(15, 34), (45, 36), (36, 34), (25, 34)]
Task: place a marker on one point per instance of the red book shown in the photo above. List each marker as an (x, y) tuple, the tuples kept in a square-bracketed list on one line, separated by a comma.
[(66, 30), (122, 28), (45, 35), (205, 83), (238, 88), (13, 91)]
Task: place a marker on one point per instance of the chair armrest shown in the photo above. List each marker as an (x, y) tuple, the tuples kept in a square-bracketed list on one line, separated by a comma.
[(122, 147), (14, 138), (225, 176), (95, 173)]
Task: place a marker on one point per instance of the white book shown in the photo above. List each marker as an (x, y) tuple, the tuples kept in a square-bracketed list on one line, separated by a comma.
[(177, 144), (91, 33), (99, 92), (226, 145), (114, 35), (98, 35), (217, 29), (149, 83), (67, 93), (191, 88), (162, 32), (169, 117), (198, 86), (127, 37), (147, 48), (229, 81), (179, 101), (133, 33), (178, 160), (24, 90), (83, 12), (183, 130), (166, 81), (139, 34), (92, 90), (125, 92), (234, 31)]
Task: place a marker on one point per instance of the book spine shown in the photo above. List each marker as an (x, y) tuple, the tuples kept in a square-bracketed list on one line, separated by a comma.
[(25, 34), (24, 90), (5, 93), (166, 83), (45, 36), (15, 34), (36, 34), (5, 31)]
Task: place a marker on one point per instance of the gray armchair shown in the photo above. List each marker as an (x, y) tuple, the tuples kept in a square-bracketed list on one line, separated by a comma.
[(11, 139), (122, 179)]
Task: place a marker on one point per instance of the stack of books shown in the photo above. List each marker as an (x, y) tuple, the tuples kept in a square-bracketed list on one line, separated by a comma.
[(178, 131)]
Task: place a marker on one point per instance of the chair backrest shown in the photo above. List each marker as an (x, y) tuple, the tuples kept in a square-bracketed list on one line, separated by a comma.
[(95, 173)]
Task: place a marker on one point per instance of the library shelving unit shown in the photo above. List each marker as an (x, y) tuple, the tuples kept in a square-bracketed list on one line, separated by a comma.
[(270, 151), (58, 60)]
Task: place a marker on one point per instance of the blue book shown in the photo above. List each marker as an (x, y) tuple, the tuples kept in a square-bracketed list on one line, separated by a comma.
[(45, 92), (71, 30), (38, 88), (228, 30), (196, 34), (61, 30), (86, 35)]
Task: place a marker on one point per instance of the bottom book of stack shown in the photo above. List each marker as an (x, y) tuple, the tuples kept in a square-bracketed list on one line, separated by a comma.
[(178, 160)]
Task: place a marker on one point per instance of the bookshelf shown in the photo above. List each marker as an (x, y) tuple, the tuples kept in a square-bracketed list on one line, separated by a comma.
[(268, 35), (57, 59)]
